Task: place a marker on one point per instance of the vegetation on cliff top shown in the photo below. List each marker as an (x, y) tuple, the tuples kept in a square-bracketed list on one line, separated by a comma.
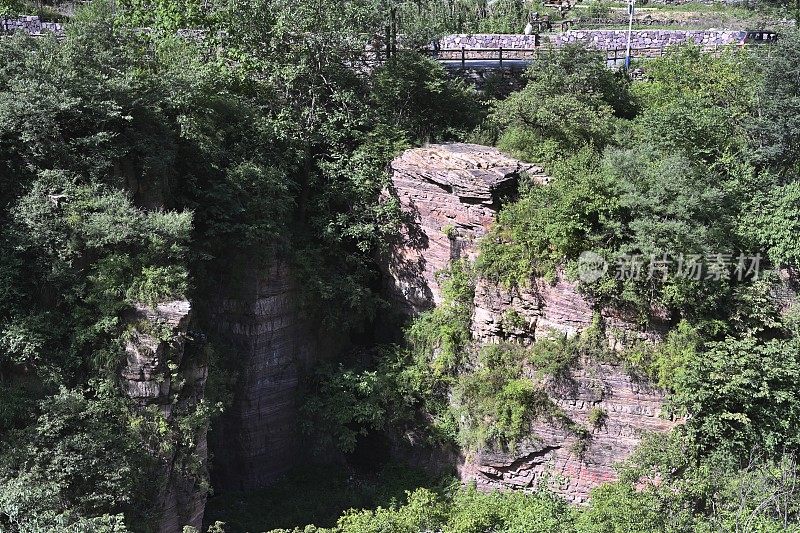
[(137, 167)]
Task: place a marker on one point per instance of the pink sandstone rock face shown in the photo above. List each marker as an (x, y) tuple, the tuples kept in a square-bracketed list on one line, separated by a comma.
[(451, 194), (256, 440), (554, 454), (158, 373), (544, 309)]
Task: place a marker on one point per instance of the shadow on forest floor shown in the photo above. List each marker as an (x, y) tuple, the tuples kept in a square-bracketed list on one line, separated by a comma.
[(317, 495)]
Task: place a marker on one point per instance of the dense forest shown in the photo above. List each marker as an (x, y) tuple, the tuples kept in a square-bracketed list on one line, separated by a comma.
[(138, 164)]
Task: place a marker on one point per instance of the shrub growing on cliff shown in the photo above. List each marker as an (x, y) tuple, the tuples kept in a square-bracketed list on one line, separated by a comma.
[(443, 333), (663, 487), (495, 403), (633, 203), (579, 210), (98, 254), (664, 363), (404, 384)]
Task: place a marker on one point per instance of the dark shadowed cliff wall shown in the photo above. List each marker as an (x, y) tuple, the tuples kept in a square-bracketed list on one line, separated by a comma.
[(257, 313)]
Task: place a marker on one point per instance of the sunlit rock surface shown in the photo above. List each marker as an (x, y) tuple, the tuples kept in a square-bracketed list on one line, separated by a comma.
[(451, 194)]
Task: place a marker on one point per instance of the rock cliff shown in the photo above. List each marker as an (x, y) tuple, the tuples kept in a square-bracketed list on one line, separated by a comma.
[(451, 194), (157, 373), (601, 398), (256, 441)]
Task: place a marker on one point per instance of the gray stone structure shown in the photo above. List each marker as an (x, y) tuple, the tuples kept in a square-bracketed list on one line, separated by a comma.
[(601, 39), (32, 25), (617, 39)]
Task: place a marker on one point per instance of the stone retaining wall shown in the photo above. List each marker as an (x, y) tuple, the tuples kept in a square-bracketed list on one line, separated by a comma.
[(708, 2), (488, 40), (30, 24), (602, 39), (617, 39)]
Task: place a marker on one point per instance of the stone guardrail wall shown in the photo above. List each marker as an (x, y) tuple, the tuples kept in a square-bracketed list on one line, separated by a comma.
[(602, 39), (617, 39), (487, 40), (31, 24), (708, 2)]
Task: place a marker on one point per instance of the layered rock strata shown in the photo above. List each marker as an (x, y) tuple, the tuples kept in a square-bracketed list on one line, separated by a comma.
[(451, 194), (158, 373), (617, 412), (256, 441)]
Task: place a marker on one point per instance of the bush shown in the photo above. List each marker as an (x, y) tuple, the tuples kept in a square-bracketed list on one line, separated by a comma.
[(569, 102), (741, 393), (597, 417), (81, 461), (414, 94), (444, 332), (495, 403)]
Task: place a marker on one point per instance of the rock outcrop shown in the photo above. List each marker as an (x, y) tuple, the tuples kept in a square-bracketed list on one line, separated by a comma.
[(157, 373), (615, 409), (451, 194), (544, 308), (256, 441)]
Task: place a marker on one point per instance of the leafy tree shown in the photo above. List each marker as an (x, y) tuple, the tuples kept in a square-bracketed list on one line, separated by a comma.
[(776, 130), (570, 101), (741, 393), (415, 94), (770, 221), (81, 466), (697, 103)]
